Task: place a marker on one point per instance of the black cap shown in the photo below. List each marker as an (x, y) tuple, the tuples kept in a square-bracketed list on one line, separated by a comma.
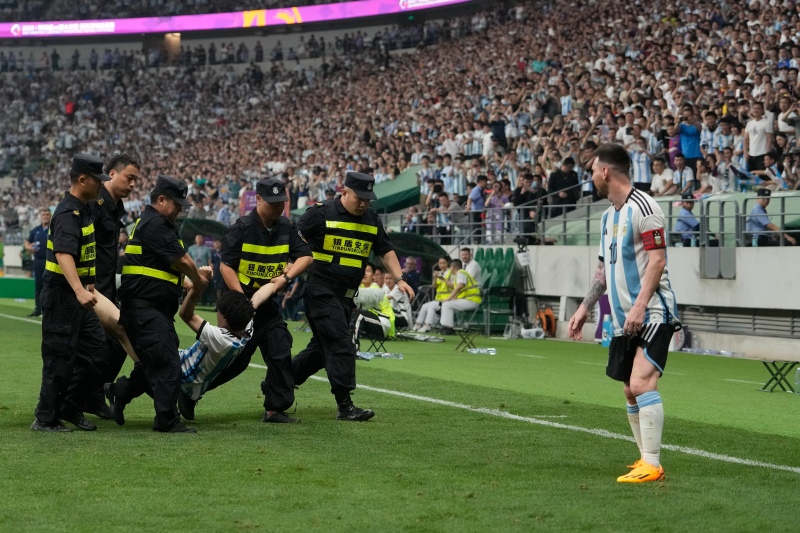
[(271, 190), (330, 192), (89, 164), (764, 193), (362, 185), (687, 197), (174, 188)]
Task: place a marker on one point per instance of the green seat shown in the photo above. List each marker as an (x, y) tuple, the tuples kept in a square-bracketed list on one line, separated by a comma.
[(488, 260), (509, 257), (479, 255), (499, 308)]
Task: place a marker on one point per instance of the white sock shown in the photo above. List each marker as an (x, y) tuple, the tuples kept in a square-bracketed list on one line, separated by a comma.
[(651, 424), (633, 419)]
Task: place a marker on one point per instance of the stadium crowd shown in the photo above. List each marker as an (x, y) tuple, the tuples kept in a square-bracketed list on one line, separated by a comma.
[(33, 10), (703, 96)]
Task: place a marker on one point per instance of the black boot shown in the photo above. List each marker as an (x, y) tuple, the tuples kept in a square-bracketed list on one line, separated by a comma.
[(348, 411)]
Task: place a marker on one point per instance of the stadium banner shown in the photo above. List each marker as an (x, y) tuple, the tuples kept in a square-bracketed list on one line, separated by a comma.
[(218, 21)]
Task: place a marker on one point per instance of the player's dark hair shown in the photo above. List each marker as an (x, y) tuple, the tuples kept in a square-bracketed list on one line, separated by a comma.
[(119, 161), (236, 308), (614, 156), (457, 262)]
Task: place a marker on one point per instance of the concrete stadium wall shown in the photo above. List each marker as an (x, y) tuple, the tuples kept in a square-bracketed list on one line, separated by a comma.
[(765, 277)]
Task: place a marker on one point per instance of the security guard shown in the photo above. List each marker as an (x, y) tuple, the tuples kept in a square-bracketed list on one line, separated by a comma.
[(36, 244), (256, 251), (72, 337), (152, 284), (342, 233), (108, 211)]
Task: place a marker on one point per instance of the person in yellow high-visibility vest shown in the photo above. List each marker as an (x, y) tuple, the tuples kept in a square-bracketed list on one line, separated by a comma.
[(466, 296), (375, 315), (428, 315)]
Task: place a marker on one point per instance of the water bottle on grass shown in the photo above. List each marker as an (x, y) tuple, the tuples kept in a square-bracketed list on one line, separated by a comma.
[(490, 351), (366, 356)]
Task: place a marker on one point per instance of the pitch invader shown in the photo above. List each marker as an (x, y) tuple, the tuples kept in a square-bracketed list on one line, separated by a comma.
[(643, 307)]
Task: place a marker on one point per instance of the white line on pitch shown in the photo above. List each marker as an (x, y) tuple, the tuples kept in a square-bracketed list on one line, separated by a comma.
[(589, 363), (529, 355), (21, 319), (743, 381), (557, 425)]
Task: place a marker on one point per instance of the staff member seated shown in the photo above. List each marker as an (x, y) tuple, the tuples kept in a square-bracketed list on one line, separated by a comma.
[(375, 316), (466, 296), (687, 225), (428, 315), (759, 228)]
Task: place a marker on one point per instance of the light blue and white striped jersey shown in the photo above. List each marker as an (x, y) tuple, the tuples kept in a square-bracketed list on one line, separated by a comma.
[(459, 182), (682, 177), (708, 139), (722, 141), (640, 167), (215, 349), (566, 105), (622, 250)]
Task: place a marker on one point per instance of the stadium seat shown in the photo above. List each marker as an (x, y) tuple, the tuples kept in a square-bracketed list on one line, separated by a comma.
[(499, 303), (488, 260), (479, 256)]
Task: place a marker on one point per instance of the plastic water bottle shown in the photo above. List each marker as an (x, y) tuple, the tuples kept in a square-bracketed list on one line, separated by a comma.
[(378, 355), (490, 351), (694, 241), (755, 241)]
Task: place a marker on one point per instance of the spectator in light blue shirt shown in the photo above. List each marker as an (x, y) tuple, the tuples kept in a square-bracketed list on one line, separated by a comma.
[(475, 206)]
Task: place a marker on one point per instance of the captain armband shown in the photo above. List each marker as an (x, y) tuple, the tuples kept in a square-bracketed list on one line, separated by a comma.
[(654, 239)]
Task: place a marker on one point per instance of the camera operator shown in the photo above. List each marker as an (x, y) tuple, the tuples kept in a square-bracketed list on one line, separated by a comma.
[(790, 170)]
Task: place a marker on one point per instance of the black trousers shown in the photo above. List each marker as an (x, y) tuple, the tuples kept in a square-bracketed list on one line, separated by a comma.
[(115, 359), (272, 337), (38, 275), (331, 346), (152, 334), (72, 353)]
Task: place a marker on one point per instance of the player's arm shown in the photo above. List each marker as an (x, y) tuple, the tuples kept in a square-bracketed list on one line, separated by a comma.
[(582, 313), (187, 309), (655, 245)]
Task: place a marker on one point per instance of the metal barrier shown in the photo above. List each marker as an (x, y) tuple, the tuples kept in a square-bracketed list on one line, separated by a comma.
[(722, 223)]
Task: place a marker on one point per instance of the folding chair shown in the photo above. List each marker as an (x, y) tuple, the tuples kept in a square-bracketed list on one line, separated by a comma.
[(304, 325), (375, 343), (468, 325)]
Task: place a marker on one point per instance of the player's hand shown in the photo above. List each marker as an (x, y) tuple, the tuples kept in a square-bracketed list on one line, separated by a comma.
[(201, 285), (576, 323), (406, 289), (86, 298), (207, 272), (634, 322)]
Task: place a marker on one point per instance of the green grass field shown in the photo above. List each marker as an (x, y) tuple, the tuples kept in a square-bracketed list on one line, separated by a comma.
[(460, 442)]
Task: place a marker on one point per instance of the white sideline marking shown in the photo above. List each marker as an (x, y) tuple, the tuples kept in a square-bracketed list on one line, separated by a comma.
[(589, 363), (597, 432), (12, 317), (531, 356), (743, 381)]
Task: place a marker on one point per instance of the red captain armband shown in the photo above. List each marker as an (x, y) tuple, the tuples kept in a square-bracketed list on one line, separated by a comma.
[(654, 240)]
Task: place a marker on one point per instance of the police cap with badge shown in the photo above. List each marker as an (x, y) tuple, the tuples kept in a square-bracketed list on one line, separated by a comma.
[(271, 190), (89, 165), (361, 184), (174, 188)]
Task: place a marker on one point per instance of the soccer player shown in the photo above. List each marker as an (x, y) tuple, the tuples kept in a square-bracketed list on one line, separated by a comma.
[(644, 311)]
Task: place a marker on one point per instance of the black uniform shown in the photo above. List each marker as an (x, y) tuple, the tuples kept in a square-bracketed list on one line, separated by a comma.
[(341, 244), (258, 254), (149, 295), (72, 337), (108, 217)]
